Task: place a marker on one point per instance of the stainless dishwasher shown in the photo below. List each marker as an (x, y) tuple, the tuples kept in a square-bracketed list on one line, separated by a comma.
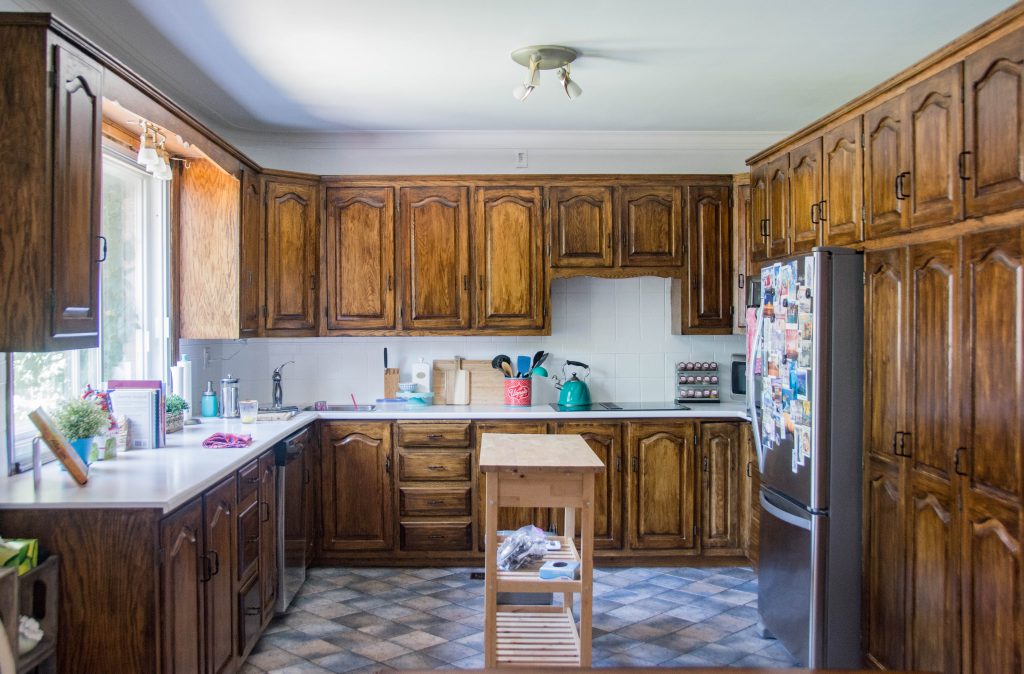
[(292, 476)]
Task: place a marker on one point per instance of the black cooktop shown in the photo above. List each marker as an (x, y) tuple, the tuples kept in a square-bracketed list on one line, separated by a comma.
[(620, 407)]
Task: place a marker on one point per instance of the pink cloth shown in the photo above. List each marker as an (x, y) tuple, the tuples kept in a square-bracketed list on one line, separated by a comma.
[(227, 441)]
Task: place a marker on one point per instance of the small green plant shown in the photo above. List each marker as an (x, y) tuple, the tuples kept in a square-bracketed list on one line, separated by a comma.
[(175, 403), (80, 419)]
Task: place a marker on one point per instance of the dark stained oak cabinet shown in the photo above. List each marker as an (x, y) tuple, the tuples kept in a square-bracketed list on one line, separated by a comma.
[(805, 208), (778, 213), (267, 499), (218, 562), (181, 545), (581, 223), (886, 168), (291, 271), (841, 210), (663, 461), (651, 225), (757, 230), (605, 440), (249, 279), (720, 457), (935, 138), (709, 295)]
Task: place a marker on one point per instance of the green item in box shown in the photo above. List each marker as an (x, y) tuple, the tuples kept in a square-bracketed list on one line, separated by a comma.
[(19, 553)]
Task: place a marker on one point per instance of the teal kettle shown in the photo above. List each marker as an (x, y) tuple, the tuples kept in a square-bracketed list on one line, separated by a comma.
[(573, 391)]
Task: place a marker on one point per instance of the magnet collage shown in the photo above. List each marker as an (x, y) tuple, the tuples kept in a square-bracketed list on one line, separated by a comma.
[(786, 358)]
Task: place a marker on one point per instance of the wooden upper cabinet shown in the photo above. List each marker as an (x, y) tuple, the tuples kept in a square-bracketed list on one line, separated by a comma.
[(291, 256), (778, 227), (886, 169), (884, 351), (663, 459), (805, 208), (740, 231), (77, 247), (884, 564), (757, 230), (358, 487), (652, 226), (434, 239), (605, 439), (182, 629), (935, 126), (249, 255), (581, 226), (710, 261), (842, 185), (360, 284), (994, 126), (509, 259), (720, 478)]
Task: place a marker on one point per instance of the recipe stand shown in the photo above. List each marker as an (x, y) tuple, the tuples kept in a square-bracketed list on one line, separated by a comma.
[(547, 471)]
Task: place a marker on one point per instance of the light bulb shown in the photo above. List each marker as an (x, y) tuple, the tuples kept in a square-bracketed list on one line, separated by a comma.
[(522, 91)]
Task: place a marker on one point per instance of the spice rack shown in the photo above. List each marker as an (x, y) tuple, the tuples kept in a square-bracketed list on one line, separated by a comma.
[(698, 382)]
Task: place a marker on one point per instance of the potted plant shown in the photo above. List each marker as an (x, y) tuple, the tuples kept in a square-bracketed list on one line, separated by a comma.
[(81, 421), (175, 408)]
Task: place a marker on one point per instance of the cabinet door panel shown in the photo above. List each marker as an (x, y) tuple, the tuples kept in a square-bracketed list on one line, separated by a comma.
[(291, 257), (757, 233), (180, 596), (805, 196), (268, 534), (360, 258), (778, 207), (74, 321), (249, 255), (605, 441), (884, 368), (933, 357), (994, 302), (219, 596), (508, 518), (435, 257), (884, 160), (884, 543), (710, 260), (936, 139), (652, 227), (358, 498), (507, 233), (581, 225), (994, 126), (741, 230), (843, 161), (663, 464), (720, 521)]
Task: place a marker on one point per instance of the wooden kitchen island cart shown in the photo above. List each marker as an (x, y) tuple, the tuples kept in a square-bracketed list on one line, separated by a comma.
[(544, 471)]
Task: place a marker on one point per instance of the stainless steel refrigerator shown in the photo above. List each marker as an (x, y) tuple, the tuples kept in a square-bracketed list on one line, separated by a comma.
[(804, 369)]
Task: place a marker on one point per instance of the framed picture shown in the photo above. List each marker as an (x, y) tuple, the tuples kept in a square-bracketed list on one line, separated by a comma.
[(59, 445)]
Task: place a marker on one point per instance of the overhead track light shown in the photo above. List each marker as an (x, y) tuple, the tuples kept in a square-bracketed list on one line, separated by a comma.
[(545, 57)]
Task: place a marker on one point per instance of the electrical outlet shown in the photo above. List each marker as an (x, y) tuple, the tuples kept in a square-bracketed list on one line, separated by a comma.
[(522, 159), (206, 358)]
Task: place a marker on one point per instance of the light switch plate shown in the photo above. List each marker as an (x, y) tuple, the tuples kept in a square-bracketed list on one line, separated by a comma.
[(522, 159)]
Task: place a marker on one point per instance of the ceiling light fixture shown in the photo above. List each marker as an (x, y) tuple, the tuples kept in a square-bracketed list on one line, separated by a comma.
[(545, 57)]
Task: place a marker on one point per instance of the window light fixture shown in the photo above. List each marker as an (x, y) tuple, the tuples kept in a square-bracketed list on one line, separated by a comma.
[(545, 57)]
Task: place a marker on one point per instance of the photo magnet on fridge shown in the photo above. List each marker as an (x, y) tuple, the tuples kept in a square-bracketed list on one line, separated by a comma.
[(805, 325), (801, 384), (804, 360)]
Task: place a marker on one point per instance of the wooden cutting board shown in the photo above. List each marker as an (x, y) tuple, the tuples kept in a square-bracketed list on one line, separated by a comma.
[(486, 385)]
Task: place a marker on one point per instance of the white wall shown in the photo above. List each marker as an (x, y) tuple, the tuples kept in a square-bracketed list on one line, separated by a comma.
[(619, 327)]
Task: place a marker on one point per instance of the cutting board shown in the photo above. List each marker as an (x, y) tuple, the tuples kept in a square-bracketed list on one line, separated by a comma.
[(486, 385)]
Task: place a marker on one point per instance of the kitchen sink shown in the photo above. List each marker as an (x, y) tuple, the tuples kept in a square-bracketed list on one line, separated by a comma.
[(342, 408)]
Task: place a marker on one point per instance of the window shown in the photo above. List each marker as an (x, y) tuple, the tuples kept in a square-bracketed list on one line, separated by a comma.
[(134, 323)]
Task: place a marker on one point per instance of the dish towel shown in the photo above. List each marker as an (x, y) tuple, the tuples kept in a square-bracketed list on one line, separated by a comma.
[(227, 441)]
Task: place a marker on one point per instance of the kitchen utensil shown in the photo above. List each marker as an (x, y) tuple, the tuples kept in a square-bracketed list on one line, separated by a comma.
[(407, 386), (574, 391), (543, 358), (537, 357), (539, 371), (499, 359), (354, 403), (506, 367), (385, 357), (523, 366), (229, 397)]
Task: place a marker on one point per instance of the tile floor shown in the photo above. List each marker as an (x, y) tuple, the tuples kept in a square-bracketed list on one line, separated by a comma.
[(377, 619)]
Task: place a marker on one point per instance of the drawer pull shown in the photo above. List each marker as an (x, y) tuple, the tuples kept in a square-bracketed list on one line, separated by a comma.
[(435, 466), (253, 480), (250, 611), (435, 537), (435, 502), (434, 436)]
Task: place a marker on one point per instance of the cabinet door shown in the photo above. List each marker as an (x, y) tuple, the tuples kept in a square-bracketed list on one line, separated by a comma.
[(508, 518), (291, 256), (663, 459), (710, 261), (936, 139), (358, 489), (778, 207), (994, 126), (883, 563), (77, 248), (652, 226), (312, 463), (843, 185), (740, 231), (581, 226), (757, 230), (508, 239), (249, 255), (751, 509), (994, 321), (180, 597), (992, 589), (218, 590), (932, 602), (360, 258), (933, 358), (805, 196), (435, 257), (720, 493), (268, 534), (606, 442), (885, 167), (885, 330)]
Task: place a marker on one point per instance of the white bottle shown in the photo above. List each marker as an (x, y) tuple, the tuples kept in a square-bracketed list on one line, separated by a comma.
[(421, 376)]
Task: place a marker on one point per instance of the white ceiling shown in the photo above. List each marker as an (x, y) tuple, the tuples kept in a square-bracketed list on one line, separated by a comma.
[(413, 65)]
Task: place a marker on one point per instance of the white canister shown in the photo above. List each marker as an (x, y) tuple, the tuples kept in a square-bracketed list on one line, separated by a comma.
[(421, 376)]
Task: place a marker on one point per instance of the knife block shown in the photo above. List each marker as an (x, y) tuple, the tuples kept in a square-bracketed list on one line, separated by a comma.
[(391, 382)]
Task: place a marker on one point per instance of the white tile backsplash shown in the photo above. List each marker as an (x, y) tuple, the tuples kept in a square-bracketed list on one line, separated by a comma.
[(620, 327)]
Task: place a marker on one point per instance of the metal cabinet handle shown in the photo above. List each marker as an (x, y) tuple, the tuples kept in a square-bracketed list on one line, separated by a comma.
[(216, 562), (958, 466), (434, 436), (312, 281), (103, 247), (764, 227), (741, 279), (750, 465), (264, 511), (435, 537), (895, 443), (814, 210), (435, 466), (705, 467), (253, 480), (636, 464), (961, 162), (822, 210), (903, 444), (465, 282), (900, 193), (389, 282), (204, 573), (387, 465), (618, 463), (250, 611), (434, 502)]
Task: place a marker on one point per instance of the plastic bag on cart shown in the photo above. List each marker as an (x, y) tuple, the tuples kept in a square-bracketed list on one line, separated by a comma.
[(524, 546)]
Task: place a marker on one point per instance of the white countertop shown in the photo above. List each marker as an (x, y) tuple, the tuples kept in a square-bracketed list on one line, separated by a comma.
[(166, 478)]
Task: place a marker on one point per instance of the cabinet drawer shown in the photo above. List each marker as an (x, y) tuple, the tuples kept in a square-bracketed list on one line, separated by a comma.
[(249, 616), (424, 502), (431, 536), (433, 434), (248, 540), (427, 465), (248, 483)]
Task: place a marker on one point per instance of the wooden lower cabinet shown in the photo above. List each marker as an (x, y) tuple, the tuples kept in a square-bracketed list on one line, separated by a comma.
[(605, 439), (750, 501), (721, 454), (181, 545), (663, 461), (218, 577), (883, 564), (268, 534)]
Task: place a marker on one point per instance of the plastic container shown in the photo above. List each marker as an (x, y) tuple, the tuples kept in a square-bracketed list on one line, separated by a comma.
[(248, 410), (390, 404), (518, 391), (417, 399)]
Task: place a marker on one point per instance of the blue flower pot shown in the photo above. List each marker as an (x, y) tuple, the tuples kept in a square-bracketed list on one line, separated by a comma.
[(83, 448)]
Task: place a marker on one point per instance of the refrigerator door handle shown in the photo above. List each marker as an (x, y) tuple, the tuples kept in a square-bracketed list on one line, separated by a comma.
[(755, 421), (779, 513)]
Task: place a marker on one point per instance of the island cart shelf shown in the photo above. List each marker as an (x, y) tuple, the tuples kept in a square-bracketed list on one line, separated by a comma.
[(545, 471)]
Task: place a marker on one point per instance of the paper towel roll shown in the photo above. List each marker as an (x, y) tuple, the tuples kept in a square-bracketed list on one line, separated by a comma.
[(186, 384)]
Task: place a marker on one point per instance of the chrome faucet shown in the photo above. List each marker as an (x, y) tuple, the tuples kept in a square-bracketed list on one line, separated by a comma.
[(278, 394)]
